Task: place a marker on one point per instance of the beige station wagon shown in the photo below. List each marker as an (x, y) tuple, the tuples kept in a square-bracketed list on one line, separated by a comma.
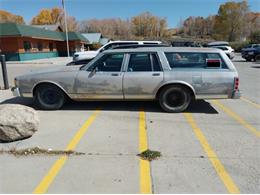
[(171, 75)]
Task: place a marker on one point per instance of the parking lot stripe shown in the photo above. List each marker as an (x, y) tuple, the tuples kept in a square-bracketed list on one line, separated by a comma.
[(145, 172), (219, 167), (50, 176), (237, 118), (250, 102)]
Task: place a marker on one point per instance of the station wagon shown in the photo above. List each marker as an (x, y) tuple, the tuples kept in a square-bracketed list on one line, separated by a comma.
[(171, 75)]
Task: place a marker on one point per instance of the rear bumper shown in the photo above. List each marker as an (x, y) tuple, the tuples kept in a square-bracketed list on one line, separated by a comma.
[(231, 55), (236, 95)]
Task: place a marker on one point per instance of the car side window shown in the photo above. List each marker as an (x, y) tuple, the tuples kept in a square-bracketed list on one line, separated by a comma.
[(217, 57), (155, 61), (191, 60), (140, 62), (186, 60), (108, 63)]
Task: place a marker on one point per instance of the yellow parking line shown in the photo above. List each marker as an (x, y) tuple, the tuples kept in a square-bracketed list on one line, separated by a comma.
[(237, 118), (50, 176), (145, 173), (220, 169), (250, 102)]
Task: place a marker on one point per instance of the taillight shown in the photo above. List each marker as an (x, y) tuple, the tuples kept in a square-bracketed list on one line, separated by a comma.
[(236, 83)]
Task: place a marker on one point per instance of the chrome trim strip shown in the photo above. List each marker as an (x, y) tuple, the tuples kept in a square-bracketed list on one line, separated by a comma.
[(211, 96)]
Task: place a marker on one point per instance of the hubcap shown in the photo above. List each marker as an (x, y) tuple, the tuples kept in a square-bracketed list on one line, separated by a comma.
[(49, 96), (175, 99)]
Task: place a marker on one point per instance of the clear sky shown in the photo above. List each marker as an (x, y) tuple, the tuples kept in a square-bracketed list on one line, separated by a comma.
[(173, 10)]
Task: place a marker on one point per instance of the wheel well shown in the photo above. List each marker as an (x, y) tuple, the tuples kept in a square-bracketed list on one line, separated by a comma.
[(176, 84), (47, 83)]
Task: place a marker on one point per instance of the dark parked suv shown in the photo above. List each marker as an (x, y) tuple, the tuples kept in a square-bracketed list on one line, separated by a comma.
[(251, 53)]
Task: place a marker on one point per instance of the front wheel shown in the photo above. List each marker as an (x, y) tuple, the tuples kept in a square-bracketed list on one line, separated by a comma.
[(174, 99), (49, 97)]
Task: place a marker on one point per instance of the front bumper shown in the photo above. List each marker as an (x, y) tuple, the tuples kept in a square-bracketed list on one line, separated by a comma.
[(16, 92), (236, 95)]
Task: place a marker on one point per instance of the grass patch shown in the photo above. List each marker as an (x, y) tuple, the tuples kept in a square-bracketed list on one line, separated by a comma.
[(39, 151), (149, 155)]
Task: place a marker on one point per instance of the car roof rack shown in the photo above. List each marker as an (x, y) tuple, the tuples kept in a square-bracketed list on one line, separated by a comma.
[(131, 46)]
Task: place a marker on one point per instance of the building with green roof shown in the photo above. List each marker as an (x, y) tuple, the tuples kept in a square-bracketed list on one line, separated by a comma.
[(23, 42)]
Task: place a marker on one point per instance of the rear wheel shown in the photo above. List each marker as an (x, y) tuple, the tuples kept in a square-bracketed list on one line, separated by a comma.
[(257, 58), (174, 99), (49, 97)]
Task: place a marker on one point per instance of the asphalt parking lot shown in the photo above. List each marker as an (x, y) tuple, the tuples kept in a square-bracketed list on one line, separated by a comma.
[(211, 148)]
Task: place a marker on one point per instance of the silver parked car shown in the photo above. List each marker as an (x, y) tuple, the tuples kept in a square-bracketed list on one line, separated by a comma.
[(173, 76)]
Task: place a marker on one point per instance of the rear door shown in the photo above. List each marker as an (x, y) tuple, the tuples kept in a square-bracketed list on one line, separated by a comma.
[(143, 76)]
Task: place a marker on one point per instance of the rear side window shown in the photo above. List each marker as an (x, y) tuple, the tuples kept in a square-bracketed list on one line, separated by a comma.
[(139, 62), (144, 62), (191, 60), (155, 63)]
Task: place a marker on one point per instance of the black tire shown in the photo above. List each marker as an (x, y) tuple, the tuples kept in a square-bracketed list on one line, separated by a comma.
[(174, 99), (248, 59), (49, 97), (257, 58)]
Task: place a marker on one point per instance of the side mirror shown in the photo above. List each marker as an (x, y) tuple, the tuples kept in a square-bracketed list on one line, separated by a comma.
[(213, 63)]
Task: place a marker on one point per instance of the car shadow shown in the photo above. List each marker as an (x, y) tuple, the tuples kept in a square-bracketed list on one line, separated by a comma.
[(255, 66), (198, 106)]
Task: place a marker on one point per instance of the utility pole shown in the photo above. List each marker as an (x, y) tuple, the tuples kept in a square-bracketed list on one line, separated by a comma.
[(66, 28)]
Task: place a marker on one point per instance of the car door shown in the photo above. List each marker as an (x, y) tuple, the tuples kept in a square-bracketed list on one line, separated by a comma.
[(102, 80), (143, 76)]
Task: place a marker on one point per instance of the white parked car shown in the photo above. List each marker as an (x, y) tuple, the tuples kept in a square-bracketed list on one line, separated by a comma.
[(228, 50), (85, 55)]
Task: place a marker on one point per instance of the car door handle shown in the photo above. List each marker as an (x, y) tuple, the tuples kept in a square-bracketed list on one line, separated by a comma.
[(156, 74), (114, 74)]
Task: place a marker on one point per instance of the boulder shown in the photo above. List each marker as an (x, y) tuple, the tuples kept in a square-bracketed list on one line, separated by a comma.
[(17, 122)]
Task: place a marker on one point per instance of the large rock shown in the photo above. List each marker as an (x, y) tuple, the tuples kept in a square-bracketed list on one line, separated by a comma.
[(17, 122)]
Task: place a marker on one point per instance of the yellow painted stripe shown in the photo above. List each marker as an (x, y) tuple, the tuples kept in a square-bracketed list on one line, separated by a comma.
[(220, 169), (145, 173), (52, 173), (250, 102), (237, 118), (143, 145)]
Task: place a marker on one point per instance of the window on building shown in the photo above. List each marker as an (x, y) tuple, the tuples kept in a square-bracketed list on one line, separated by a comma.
[(27, 45), (39, 46), (51, 46)]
